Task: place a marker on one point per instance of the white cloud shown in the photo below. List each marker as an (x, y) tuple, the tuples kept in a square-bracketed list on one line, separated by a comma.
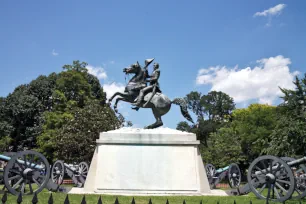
[(54, 53), (276, 10), (99, 72), (112, 88), (259, 83)]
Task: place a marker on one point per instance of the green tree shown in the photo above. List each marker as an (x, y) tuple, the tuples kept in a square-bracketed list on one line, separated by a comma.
[(75, 141), (288, 137), (212, 110), (184, 126), (254, 125), (244, 138), (77, 116), (23, 111), (76, 66), (224, 148), (217, 105)]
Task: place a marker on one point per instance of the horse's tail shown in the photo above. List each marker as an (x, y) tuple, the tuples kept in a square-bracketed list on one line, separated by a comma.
[(183, 105)]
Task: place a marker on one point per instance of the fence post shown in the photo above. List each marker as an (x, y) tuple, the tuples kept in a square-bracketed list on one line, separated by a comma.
[(184, 202), (100, 200), (167, 202), (150, 201), (201, 202), (83, 200), (50, 201), (35, 200), (133, 201), (19, 199), (116, 201), (4, 198), (67, 200)]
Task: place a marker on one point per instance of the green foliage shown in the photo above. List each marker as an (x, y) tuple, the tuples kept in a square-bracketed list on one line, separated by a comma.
[(76, 66), (253, 125), (23, 111), (217, 105), (70, 130), (223, 149), (212, 110), (288, 138), (183, 126), (56, 113), (76, 139)]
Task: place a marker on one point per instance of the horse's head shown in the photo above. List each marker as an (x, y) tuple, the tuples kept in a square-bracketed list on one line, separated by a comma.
[(134, 68)]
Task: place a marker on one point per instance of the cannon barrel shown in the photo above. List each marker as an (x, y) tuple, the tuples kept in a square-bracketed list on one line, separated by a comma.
[(296, 162), (292, 163), (6, 158)]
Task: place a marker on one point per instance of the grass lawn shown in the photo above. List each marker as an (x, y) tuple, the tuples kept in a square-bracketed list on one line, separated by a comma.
[(59, 198)]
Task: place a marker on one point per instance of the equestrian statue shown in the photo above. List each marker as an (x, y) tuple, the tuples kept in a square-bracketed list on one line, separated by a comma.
[(141, 95)]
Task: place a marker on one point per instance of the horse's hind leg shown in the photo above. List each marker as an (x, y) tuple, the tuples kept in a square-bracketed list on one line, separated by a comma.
[(158, 122)]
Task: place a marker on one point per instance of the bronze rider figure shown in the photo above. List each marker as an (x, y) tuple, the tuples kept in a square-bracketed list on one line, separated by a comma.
[(153, 84)]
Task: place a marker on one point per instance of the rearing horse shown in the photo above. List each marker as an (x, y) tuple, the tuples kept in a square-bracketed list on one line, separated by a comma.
[(160, 103)]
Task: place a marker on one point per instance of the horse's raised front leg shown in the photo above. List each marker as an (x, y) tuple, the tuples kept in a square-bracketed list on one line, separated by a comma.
[(116, 102)]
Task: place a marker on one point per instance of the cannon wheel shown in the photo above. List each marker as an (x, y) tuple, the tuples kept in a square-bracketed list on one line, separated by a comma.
[(29, 171), (234, 176), (58, 172), (272, 174), (83, 171), (300, 188), (210, 172)]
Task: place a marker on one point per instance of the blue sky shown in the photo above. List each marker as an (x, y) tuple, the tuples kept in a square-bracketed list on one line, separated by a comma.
[(244, 48)]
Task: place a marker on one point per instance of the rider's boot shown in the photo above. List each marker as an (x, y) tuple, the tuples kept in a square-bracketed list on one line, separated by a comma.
[(139, 100), (135, 108)]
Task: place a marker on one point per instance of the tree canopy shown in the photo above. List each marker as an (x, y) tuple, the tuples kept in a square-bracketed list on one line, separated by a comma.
[(55, 113)]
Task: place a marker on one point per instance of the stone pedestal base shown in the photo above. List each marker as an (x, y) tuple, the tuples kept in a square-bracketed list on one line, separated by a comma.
[(138, 161)]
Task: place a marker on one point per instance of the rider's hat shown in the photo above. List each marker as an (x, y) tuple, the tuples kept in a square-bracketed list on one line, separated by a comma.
[(148, 61)]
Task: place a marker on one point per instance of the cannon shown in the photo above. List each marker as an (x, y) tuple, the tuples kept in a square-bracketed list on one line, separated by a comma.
[(26, 172), (232, 172), (77, 173), (275, 179)]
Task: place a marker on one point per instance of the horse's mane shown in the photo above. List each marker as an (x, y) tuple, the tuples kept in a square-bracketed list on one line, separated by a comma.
[(138, 77)]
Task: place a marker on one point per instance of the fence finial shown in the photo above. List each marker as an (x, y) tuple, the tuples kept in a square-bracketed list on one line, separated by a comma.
[(133, 201), (50, 201), (100, 200), (83, 200), (67, 200), (116, 201), (19, 199), (167, 202), (35, 200), (150, 201), (4, 198)]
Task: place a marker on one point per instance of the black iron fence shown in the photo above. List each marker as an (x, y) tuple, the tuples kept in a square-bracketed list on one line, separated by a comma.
[(99, 201)]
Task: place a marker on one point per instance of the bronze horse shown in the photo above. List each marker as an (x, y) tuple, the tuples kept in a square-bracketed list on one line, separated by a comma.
[(159, 103)]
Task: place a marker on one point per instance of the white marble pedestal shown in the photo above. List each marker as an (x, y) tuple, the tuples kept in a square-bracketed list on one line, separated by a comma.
[(137, 161)]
